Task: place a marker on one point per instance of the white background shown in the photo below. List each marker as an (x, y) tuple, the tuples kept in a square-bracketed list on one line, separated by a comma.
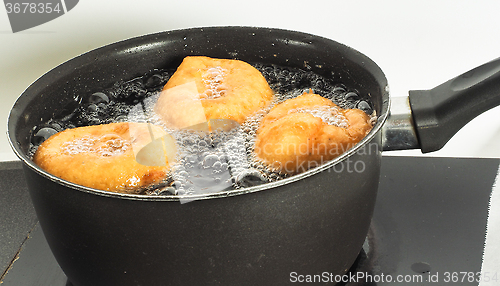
[(418, 44)]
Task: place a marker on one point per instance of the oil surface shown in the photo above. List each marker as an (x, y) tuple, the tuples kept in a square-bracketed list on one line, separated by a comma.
[(206, 162)]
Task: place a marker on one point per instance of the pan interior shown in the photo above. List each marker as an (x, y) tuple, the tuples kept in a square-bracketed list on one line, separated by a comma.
[(58, 90)]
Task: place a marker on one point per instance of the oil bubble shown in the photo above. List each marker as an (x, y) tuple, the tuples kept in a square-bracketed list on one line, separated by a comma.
[(98, 97), (42, 134)]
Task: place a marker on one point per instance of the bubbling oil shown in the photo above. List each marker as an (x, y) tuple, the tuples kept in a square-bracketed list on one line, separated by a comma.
[(213, 80), (329, 115), (206, 162), (106, 145)]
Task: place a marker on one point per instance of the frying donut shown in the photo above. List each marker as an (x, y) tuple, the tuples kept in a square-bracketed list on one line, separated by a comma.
[(307, 131), (118, 157), (204, 88)]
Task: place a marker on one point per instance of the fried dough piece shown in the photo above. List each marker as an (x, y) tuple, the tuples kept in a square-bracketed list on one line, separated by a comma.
[(204, 88), (306, 131), (118, 157)]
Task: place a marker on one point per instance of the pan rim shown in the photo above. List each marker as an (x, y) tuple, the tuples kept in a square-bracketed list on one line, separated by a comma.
[(381, 118)]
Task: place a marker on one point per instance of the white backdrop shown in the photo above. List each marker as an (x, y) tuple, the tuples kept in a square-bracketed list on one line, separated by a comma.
[(418, 44)]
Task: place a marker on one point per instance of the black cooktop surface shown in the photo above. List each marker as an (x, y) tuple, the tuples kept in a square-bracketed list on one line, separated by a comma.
[(428, 228)]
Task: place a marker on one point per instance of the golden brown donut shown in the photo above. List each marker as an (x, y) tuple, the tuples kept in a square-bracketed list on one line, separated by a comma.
[(118, 157), (205, 88), (296, 135)]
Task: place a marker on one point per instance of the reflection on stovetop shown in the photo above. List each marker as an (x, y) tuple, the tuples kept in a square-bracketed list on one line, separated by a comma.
[(357, 273), (430, 218)]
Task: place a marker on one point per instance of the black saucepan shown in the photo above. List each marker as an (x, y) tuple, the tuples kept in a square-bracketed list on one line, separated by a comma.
[(311, 223)]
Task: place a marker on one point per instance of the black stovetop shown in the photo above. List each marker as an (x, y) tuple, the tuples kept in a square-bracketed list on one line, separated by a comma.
[(429, 223)]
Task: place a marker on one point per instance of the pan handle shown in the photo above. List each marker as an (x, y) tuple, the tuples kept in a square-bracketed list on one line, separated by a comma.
[(440, 112)]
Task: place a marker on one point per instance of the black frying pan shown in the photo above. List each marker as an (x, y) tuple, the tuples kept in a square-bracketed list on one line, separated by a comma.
[(311, 223)]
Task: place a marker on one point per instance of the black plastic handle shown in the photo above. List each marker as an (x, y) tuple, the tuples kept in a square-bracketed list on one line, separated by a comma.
[(440, 112)]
